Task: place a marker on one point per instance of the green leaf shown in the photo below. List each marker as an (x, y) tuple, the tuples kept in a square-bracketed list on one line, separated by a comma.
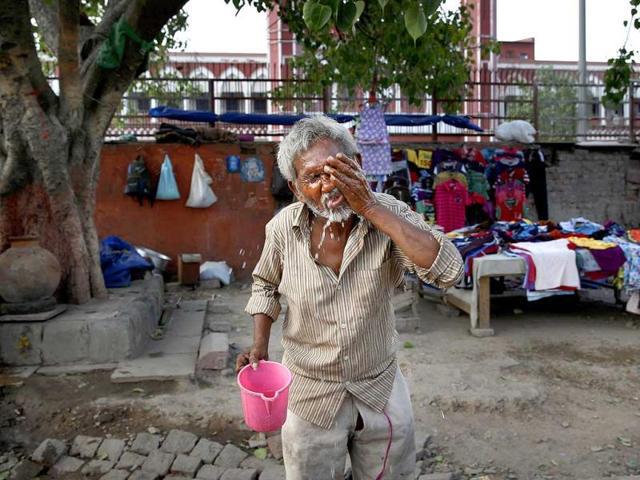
[(430, 6), (346, 16), (383, 3), (260, 453), (359, 9), (315, 15), (415, 21), (333, 5), (408, 344)]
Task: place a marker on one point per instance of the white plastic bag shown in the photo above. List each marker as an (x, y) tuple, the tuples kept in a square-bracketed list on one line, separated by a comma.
[(201, 194), (516, 131), (213, 270)]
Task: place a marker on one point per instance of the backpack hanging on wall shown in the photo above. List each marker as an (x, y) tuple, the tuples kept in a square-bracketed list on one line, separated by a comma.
[(139, 181)]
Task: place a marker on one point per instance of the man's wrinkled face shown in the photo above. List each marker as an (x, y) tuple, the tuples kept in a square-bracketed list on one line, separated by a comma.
[(314, 187)]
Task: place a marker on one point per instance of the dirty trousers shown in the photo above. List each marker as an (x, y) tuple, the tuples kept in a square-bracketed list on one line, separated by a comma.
[(314, 453)]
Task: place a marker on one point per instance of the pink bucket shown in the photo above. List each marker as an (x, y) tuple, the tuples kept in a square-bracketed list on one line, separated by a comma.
[(265, 394)]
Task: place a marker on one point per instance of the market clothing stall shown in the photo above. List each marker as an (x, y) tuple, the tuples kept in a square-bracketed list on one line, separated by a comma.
[(476, 301), (552, 259)]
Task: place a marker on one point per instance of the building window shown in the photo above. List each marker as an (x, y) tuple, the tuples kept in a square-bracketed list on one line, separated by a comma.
[(524, 56), (259, 102), (232, 102), (203, 104), (595, 108), (139, 103)]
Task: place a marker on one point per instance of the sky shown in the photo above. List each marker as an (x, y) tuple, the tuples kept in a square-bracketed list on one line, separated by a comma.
[(214, 27)]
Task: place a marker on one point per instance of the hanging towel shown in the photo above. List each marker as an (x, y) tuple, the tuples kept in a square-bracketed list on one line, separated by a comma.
[(373, 141)]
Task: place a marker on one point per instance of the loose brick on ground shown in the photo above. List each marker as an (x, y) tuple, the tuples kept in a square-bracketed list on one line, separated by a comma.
[(49, 452), (143, 475), (130, 460), (66, 465), (206, 450), (97, 467), (240, 474), (84, 446), (231, 456), (158, 462), (145, 443), (186, 464), (210, 472), (179, 441), (26, 469), (111, 449), (115, 475)]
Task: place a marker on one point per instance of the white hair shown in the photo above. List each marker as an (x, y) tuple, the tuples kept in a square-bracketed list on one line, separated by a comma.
[(305, 134)]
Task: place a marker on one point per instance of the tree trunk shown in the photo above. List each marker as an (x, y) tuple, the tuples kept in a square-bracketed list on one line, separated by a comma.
[(50, 145), (63, 218)]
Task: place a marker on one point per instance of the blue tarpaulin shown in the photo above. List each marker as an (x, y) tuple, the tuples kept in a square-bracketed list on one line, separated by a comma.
[(392, 120), (118, 259)]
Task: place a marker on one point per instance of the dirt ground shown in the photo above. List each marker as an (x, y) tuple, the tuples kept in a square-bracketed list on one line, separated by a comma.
[(555, 394)]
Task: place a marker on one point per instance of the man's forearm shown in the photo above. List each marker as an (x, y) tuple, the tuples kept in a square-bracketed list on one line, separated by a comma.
[(418, 245), (261, 329)]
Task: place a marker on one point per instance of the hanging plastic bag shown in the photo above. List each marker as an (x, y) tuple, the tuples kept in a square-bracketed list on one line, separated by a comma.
[(201, 195), (167, 186)]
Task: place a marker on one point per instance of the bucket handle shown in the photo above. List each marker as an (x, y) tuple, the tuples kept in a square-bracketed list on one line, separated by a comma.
[(267, 402)]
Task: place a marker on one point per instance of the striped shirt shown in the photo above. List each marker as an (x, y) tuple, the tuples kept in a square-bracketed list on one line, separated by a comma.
[(339, 331)]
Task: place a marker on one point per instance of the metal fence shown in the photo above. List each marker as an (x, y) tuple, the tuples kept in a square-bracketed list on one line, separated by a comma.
[(549, 100)]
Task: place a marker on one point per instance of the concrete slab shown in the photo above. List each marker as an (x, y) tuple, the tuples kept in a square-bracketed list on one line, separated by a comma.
[(167, 367), (214, 351), (101, 331), (171, 344), (21, 372), (21, 343), (188, 320), (34, 317), (55, 370)]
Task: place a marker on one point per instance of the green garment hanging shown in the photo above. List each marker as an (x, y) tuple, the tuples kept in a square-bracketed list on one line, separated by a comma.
[(112, 50)]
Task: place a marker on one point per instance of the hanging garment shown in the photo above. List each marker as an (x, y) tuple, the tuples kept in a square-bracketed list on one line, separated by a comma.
[(555, 263), (510, 198), (537, 171), (373, 141), (632, 264), (450, 202)]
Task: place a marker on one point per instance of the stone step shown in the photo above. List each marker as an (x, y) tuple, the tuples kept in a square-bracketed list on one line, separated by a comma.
[(172, 357)]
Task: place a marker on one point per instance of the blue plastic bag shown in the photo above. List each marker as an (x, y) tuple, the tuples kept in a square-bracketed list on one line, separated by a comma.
[(167, 186), (118, 259)]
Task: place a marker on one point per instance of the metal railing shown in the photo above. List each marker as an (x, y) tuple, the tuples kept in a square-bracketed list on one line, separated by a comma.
[(552, 107)]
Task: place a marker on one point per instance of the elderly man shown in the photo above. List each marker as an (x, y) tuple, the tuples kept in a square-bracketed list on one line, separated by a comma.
[(337, 256)]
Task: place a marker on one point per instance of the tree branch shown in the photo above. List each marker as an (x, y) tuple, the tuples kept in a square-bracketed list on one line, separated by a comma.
[(115, 9), (103, 89), (70, 82), (46, 15)]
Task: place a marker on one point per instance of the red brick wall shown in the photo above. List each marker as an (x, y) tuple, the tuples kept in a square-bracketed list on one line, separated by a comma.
[(232, 229)]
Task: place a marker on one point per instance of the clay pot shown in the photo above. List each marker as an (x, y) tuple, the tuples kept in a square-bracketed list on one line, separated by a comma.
[(28, 272)]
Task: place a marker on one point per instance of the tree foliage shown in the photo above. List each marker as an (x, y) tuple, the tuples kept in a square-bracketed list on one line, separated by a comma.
[(556, 98), (618, 75), (427, 53)]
